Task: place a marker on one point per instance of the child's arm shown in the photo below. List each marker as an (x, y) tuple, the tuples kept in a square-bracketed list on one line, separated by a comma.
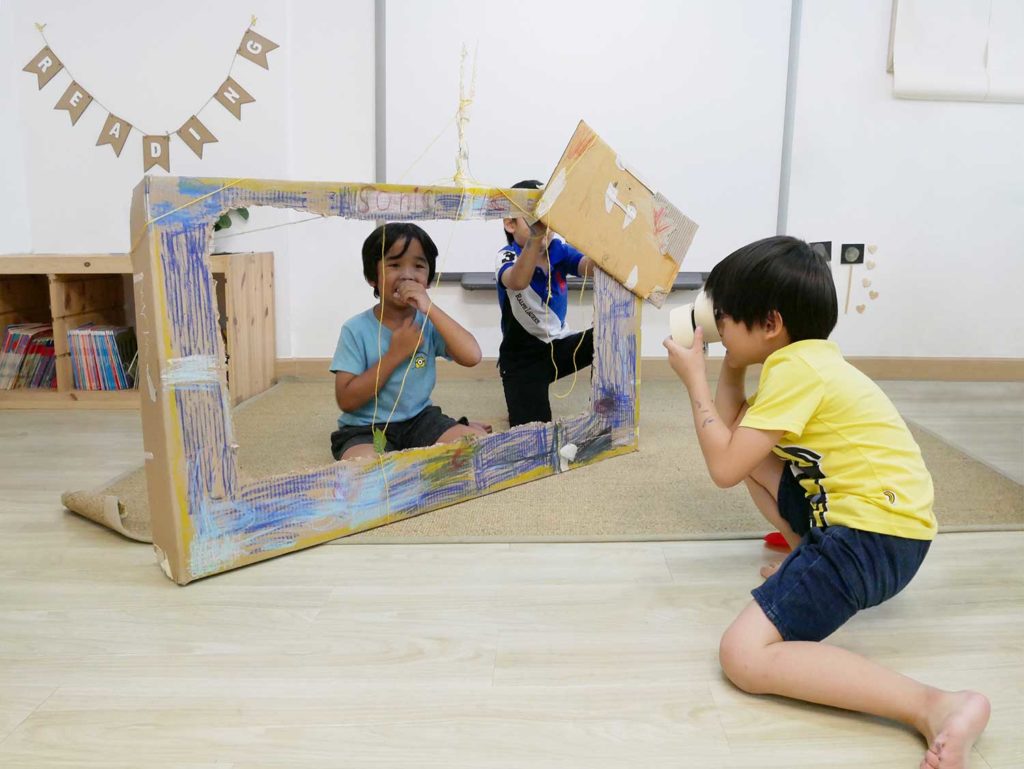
[(730, 455), (518, 276), (730, 395), (462, 345), (353, 390)]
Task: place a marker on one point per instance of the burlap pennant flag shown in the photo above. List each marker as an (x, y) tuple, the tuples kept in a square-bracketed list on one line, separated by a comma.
[(196, 135), (156, 151), (255, 48), (46, 64), (115, 133), (232, 96), (74, 100)]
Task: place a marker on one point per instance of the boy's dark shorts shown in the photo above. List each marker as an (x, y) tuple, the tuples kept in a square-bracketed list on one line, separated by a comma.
[(833, 573), (422, 430), (525, 378)]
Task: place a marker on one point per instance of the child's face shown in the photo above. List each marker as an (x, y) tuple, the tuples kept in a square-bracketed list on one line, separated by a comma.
[(397, 267), (743, 346), (519, 230)]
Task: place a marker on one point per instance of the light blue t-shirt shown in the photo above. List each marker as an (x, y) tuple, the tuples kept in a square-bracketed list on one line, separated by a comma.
[(357, 351)]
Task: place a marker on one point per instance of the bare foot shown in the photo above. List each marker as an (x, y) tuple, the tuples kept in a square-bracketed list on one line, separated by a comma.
[(771, 568), (956, 723), (487, 428)]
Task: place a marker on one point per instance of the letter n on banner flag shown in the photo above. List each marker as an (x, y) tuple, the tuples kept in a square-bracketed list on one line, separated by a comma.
[(74, 100), (115, 133), (195, 135), (255, 48), (46, 64), (156, 151), (233, 96)]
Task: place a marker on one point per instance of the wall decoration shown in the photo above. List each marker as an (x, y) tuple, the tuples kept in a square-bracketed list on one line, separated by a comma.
[(156, 149)]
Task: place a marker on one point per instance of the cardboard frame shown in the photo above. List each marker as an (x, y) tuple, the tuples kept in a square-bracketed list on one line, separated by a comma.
[(206, 517)]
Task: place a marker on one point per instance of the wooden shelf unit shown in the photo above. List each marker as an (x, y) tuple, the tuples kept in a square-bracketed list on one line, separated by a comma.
[(71, 289)]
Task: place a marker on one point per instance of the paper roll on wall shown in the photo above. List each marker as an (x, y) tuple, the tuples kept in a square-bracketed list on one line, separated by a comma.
[(683, 321)]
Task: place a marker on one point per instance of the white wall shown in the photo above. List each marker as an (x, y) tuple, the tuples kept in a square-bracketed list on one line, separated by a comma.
[(937, 186), (690, 94), (697, 109), (15, 213)]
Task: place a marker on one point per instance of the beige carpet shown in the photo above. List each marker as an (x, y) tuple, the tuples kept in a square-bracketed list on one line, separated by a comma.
[(660, 492)]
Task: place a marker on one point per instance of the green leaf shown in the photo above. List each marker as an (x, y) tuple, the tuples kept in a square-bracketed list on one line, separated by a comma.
[(379, 440), (243, 212), (223, 223)]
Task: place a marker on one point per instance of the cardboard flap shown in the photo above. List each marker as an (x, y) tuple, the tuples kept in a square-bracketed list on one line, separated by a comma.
[(600, 206)]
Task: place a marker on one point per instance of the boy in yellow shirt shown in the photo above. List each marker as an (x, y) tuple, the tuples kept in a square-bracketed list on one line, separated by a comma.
[(828, 460)]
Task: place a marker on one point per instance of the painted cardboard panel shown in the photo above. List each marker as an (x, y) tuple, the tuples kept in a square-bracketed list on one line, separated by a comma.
[(600, 206), (206, 517)]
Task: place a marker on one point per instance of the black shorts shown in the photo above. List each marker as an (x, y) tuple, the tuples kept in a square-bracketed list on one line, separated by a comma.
[(526, 379), (422, 430)]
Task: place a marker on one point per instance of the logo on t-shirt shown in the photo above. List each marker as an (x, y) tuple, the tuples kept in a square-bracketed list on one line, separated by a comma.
[(420, 360)]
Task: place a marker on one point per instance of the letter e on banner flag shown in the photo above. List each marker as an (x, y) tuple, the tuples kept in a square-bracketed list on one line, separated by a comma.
[(74, 100)]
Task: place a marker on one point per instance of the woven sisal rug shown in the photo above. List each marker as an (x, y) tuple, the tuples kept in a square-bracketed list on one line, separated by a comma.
[(661, 492)]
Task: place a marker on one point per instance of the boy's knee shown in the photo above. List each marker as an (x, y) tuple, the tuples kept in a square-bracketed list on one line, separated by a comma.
[(740, 661)]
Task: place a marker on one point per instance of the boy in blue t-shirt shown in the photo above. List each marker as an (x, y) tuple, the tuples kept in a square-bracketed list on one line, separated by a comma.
[(533, 306), (397, 339), (828, 460)]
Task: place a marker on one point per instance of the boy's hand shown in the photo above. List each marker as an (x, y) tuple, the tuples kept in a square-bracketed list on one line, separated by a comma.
[(413, 294), (688, 364), (405, 338), (540, 232)]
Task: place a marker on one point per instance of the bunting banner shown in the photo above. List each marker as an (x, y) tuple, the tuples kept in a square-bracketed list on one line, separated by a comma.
[(156, 145)]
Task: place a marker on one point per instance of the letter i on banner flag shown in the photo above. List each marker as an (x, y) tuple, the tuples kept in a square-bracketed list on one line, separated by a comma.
[(255, 48), (74, 100), (233, 96), (46, 64), (115, 133), (156, 151), (195, 135)]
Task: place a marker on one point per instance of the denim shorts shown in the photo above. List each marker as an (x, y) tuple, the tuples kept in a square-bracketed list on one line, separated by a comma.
[(422, 430), (833, 573)]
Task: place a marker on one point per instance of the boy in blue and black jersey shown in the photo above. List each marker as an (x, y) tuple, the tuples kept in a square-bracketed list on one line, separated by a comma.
[(537, 346)]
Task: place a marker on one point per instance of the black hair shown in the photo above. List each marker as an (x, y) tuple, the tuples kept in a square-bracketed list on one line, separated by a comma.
[(781, 274), (526, 184), (386, 235)]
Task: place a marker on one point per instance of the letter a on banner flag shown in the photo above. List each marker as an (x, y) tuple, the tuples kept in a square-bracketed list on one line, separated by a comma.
[(195, 135), (255, 48), (115, 133), (233, 96), (74, 100), (156, 151), (46, 64)]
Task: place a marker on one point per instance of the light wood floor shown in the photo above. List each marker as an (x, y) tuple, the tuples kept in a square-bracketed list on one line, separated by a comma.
[(567, 655)]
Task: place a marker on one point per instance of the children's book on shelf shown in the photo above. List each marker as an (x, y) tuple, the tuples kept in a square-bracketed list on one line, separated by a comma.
[(26, 357), (103, 357)]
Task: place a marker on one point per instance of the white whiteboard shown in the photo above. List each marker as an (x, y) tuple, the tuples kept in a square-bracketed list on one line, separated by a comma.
[(690, 94)]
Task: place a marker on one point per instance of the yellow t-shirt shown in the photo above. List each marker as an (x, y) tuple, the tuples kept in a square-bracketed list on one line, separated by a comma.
[(850, 449)]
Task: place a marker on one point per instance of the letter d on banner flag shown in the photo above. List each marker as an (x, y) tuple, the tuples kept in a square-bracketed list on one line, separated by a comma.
[(156, 151)]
